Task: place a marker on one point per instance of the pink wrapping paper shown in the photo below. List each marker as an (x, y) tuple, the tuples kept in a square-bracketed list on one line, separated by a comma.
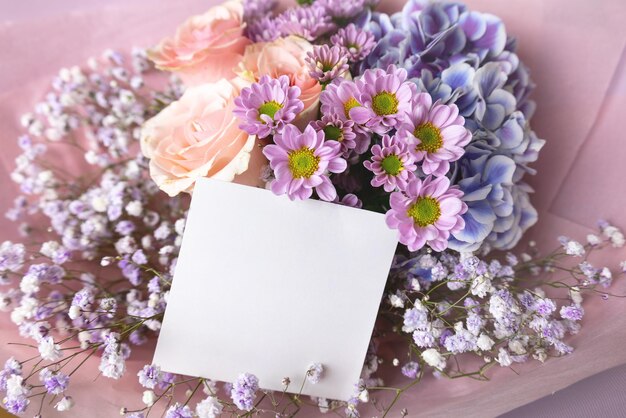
[(573, 49)]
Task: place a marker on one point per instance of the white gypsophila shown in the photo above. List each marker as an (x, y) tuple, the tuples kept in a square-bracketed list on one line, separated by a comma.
[(99, 203), (29, 284), (504, 358), (481, 286), (73, 312), (540, 354), (49, 350), (364, 396), (209, 408), (112, 365), (396, 301), (65, 404), (209, 388), (49, 248), (179, 226), (593, 239), (574, 293), (517, 347), (15, 386), (574, 248), (484, 342), (134, 208), (26, 310), (433, 358), (148, 398), (314, 373), (126, 245), (323, 405), (539, 292), (615, 235)]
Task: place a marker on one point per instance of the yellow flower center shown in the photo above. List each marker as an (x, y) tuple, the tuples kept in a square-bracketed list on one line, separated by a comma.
[(303, 163), (392, 165), (425, 211), (385, 103), (269, 109), (429, 136), (350, 104), (334, 133)]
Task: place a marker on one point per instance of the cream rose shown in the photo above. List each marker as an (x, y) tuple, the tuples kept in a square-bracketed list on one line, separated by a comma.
[(284, 56), (207, 47), (198, 136)]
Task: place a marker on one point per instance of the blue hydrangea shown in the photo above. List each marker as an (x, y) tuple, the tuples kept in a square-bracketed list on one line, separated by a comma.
[(464, 57)]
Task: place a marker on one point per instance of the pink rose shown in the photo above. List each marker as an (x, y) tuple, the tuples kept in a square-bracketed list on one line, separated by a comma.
[(284, 56), (198, 136), (207, 47)]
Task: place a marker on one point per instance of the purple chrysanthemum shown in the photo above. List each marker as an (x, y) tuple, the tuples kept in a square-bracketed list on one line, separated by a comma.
[(264, 29), (427, 212), (435, 133), (342, 9), (336, 129), (357, 43), (300, 161), (340, 98), (392, 164), (244, 391), (351, 200), (386, 97), (308, 22), (327, 63), (256, 9), (265, 107)]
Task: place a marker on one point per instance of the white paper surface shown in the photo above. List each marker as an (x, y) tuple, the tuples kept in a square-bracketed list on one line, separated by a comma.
[(269, 286)]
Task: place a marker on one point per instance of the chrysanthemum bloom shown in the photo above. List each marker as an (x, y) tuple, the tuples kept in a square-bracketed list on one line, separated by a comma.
[(427, 212), (327, 63), (392, 164), (263, 30), (265, 107), (435, 133), (300, 161), (308, 22), (386, 97), (338, 130), (340, 98), (357, 43)]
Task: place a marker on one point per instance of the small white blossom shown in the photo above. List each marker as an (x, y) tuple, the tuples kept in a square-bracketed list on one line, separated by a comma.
[(209, 408), (574, 248), (481, 286), (484, 342), (593, 239), (74, 312), (396, 301), (574, 293), (148, 398), (364, 396), (29, 284), (433, 358), (314, 373), (49, 350), (134, 208), (64, 404), (504, 358), (15, 386)]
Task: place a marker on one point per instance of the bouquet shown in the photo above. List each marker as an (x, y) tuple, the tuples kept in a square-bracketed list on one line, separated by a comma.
[(423, 115)]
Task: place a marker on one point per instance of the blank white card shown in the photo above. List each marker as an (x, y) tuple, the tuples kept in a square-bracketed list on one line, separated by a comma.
[(269, 286)]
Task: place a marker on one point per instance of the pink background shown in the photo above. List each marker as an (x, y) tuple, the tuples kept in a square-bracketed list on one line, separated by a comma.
[(576, 51)]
